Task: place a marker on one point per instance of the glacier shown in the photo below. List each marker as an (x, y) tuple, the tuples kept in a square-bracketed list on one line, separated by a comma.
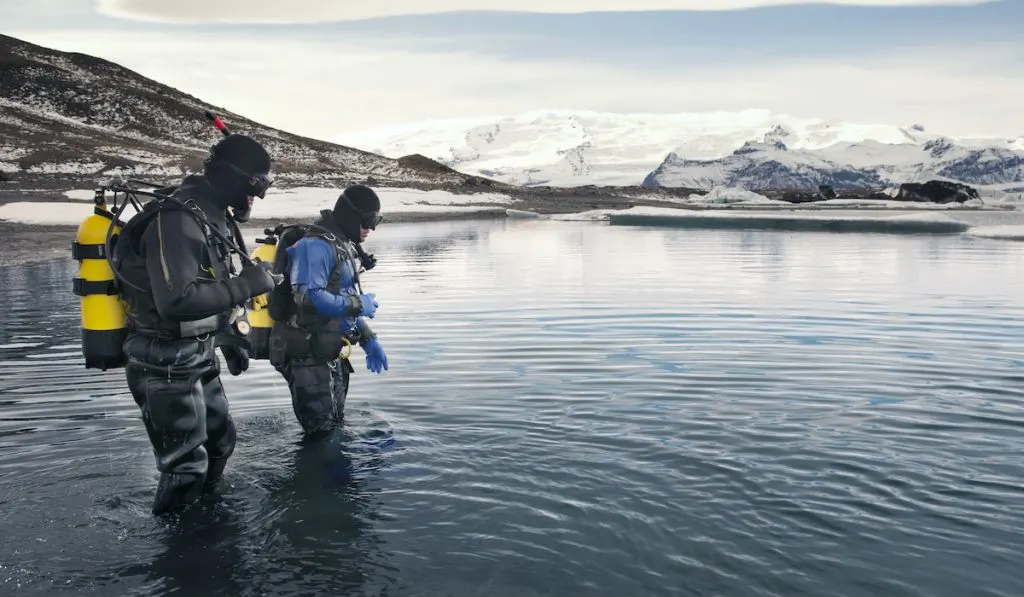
[(750, 149)]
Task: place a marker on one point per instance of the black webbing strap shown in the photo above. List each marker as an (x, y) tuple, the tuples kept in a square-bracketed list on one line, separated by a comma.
[(89, 287), (91, 251)]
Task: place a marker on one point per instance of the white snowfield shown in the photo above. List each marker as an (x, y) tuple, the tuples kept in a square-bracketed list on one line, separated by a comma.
[(308, 201), (298, 202), (575, 147)]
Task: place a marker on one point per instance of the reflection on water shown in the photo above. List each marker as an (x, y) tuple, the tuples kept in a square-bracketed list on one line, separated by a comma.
[(570, 407)]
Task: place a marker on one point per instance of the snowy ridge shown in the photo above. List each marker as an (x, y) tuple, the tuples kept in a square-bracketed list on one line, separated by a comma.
[(752, 149), (76, 114), (864, 164)]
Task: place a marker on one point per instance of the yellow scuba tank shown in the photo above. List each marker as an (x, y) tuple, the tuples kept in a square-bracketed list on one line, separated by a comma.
[(260, 321), (103, 318)]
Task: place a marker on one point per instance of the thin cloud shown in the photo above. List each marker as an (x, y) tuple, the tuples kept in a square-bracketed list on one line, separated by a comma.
[(313, 11)]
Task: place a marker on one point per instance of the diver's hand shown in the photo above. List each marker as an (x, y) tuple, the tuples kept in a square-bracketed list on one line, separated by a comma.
[(278, 278), (236, 357), (368, 304), (257, 279), (376, 360)]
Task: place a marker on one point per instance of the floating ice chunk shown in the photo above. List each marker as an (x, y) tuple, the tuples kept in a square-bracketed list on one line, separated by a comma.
[(723, 195), (521, 214), (594, 215), (1007, 232), (681, 218)]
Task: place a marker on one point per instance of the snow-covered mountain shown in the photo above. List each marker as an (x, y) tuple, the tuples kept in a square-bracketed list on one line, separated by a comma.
[(559, 147), (750, 149), (783, 159), (67, 114)]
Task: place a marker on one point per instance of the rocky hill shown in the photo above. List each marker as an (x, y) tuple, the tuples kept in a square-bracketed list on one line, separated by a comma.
[(70, 116)]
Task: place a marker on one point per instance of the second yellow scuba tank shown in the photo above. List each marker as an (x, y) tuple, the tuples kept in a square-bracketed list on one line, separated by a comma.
[(104, 327), (260, 321)]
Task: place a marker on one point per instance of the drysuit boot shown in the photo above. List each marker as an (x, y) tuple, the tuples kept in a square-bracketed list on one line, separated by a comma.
[(318, 392), (176, 384)]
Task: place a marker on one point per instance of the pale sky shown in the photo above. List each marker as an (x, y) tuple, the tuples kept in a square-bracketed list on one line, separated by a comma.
[(326, 67), (312, 11)]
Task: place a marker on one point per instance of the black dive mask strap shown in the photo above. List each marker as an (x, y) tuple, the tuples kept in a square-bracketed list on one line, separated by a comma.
[(368, 220), (257, 184)]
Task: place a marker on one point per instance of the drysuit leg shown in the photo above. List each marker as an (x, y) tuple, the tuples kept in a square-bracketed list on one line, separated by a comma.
[(220, 427), (318, 390), (177, 387)]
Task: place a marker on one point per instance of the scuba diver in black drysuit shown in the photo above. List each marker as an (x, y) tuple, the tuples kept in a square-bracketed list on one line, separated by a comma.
[(179, 295), (320, 305)]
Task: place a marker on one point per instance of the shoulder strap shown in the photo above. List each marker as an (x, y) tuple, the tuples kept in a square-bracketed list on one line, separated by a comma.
[(131, 233), (315, 231), (134, 228), (288, 236), (214, 246), (280, 302)]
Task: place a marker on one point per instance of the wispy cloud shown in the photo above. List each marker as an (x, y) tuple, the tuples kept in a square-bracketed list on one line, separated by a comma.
[(956, 67), (320, 88), (307, 11)]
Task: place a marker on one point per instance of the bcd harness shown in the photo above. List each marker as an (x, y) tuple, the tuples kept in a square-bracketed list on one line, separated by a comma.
[(218, 252), (299, 332)]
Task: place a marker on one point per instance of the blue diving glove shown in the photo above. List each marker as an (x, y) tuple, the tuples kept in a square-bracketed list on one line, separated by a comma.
[(375, 357), (369, 303)]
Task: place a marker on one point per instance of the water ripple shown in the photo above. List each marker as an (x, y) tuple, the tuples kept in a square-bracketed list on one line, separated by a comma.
[(570, 408)]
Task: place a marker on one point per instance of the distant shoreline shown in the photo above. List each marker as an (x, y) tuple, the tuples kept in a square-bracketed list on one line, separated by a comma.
[(547, 201), (27, 242)]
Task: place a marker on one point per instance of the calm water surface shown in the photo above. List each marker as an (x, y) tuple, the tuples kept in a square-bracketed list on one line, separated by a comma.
[(571, 408)]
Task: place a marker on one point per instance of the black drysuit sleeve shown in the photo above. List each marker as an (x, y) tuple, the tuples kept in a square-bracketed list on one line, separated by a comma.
[(174, 246)]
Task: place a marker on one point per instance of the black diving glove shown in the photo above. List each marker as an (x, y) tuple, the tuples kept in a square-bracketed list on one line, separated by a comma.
[(236, 357), (257, 279)]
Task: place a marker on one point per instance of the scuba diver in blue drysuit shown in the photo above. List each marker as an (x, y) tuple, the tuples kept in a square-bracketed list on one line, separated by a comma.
[(320, 306)]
